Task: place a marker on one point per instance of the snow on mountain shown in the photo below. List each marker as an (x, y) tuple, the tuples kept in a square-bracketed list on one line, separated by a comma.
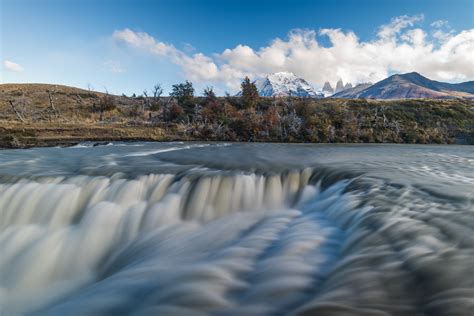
[(285, 84)]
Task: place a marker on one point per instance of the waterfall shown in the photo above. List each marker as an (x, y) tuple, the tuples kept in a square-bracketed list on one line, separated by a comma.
[(204, 240), (58, 234)]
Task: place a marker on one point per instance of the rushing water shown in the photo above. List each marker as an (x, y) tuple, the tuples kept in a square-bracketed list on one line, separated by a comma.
[(237, 229)]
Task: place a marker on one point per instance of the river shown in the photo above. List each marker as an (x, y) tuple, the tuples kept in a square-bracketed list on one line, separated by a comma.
[(237, 229)]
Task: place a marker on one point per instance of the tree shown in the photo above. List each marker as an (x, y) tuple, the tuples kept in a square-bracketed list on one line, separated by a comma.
[(183, 92), (157, 92), (17, 113), (52, 109), (209, 94), (249, 93), (106, 103), (213, 109), (271, 118), (146, 101)]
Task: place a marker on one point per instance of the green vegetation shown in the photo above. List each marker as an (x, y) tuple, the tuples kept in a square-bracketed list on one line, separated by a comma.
[(184, 95), (249, 93), (27, 110)]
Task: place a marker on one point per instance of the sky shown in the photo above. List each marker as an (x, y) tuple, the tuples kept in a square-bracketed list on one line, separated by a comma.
[(128, 46)]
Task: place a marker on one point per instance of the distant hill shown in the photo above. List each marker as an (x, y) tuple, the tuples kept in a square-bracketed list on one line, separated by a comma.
[(410, 86), (29, 88), (33, 99)]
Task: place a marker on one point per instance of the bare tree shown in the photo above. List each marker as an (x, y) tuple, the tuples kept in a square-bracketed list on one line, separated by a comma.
[(146, 101), (106, 103), (52, 108), (157, 91), (17, 113)]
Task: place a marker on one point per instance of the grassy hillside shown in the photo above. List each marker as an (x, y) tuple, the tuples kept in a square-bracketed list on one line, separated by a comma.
[(40, 114)]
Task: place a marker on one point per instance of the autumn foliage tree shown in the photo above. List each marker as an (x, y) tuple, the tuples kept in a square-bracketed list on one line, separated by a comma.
[(213, 109), (172, 112)]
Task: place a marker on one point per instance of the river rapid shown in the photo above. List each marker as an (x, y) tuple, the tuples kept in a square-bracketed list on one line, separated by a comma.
[(237, 229)]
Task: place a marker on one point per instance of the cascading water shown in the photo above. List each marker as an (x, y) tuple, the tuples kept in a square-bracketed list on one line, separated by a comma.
[(176, 229)]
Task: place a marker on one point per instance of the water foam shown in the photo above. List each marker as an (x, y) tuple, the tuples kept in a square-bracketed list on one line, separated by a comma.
[(213, 242)]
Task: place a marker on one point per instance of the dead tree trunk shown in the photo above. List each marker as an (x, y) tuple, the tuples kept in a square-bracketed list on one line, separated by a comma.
[(51, 104), (18, 115)]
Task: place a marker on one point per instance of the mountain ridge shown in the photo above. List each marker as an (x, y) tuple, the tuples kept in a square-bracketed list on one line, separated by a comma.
[(285, 84), (410, 86)]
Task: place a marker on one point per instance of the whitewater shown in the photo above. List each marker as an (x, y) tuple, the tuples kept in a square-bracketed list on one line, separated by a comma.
[(237, 229)]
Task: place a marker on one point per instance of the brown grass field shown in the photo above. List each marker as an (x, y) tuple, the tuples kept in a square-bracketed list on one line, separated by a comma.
[(49, 115)]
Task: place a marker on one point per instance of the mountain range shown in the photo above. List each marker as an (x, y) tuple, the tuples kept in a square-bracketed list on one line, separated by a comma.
[(399, 86), (409, 86), (328, 90)]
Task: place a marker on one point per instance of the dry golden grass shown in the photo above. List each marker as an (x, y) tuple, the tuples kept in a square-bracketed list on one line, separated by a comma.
[(27, 118)]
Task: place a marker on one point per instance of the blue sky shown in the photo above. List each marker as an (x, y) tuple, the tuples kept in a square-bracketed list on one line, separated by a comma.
[(128, 46)]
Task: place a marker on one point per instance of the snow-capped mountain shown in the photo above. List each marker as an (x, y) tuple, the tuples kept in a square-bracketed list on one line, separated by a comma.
[(285, 84)]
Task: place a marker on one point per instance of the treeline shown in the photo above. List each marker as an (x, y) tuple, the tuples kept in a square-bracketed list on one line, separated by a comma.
[(248, 117)]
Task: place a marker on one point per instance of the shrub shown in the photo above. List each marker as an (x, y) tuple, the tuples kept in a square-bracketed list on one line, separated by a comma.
[(173, 112), (106, 103), (184, 94)]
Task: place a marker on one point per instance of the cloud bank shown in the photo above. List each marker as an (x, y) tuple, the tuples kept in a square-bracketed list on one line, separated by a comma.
[(399, 46), (11, 66)]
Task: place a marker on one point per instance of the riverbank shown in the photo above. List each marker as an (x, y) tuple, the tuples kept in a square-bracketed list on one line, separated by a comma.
[(20, 136), (49, 135), (33, 115)]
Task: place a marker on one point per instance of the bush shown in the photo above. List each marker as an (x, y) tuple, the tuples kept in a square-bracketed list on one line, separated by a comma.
[(106, 103), (173, 112)]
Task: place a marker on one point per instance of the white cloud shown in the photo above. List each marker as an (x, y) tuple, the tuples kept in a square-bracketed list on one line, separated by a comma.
[(11, 66), (442, 31), (389, 31), (439, 23), (144, 41), (399, 46), (196, 67)]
